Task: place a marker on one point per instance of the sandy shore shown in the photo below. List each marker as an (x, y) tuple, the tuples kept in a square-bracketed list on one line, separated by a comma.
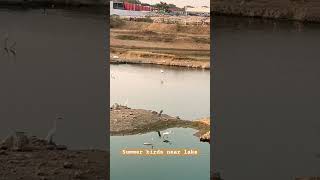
[(127, 121), (161, 44)]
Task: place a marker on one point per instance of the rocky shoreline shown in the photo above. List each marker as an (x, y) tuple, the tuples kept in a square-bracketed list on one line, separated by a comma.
[(165, 62), (23, 157), (300, 10), (127, 121)]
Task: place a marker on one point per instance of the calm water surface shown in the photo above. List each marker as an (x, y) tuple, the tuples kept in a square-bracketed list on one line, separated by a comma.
[(58, 68), (159, 168), (267, 97), (177, 91)]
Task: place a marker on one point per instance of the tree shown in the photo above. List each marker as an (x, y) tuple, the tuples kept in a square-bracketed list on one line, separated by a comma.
[(163, 6)]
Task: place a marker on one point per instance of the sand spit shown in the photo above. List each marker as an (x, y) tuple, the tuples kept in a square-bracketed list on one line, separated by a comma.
[(127, 121)]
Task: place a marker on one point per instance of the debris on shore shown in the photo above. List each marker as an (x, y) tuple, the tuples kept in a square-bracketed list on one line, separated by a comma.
[(165, 60), (204, 129), (23, 157), (205, 137)]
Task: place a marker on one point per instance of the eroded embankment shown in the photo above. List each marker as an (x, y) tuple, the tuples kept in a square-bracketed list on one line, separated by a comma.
[(127, 121), (302, 10), (159, 43)]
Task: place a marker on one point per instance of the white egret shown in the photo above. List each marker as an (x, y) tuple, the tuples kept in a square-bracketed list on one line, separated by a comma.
[(126, 102), (52, 132), (166, 134)]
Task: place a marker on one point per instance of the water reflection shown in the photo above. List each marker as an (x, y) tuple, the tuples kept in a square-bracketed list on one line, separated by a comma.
[(160, 167), (177, 91), (266, 98)]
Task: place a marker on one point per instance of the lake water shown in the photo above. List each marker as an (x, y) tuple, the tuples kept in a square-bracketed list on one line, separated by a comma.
[(267, 96), (161, 167), (58, 69), (178, 92)]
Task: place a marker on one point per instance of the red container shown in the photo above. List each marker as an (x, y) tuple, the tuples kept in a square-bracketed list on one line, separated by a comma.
[(136, 7)]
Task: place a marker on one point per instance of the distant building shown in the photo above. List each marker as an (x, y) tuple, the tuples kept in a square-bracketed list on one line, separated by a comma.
[(123, 5), (122, 8)]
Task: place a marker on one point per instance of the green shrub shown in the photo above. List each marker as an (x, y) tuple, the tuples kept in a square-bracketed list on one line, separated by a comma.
[(116, 21)]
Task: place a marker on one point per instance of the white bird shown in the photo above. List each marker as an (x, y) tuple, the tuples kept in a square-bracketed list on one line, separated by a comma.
[(126, 102), (166, 134), (52, 132), (112, 76), (161, 71)]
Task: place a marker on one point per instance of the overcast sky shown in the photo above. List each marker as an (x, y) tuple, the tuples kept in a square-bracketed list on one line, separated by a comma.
[(181, 3)]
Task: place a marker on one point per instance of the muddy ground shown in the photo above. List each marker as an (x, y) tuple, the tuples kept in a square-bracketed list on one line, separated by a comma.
[(127, 121), (33, 158), (159, 43)]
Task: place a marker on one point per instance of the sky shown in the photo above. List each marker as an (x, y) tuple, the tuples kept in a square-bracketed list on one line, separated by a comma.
[(181, 3)]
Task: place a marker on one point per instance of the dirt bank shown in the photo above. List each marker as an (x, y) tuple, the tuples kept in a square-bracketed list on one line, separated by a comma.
[(159, 43), (127, 121), (23, 157), (302, 10)]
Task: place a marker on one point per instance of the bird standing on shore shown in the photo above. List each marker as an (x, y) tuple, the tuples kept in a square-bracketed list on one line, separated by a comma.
[(52, 132), (126, 102)]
